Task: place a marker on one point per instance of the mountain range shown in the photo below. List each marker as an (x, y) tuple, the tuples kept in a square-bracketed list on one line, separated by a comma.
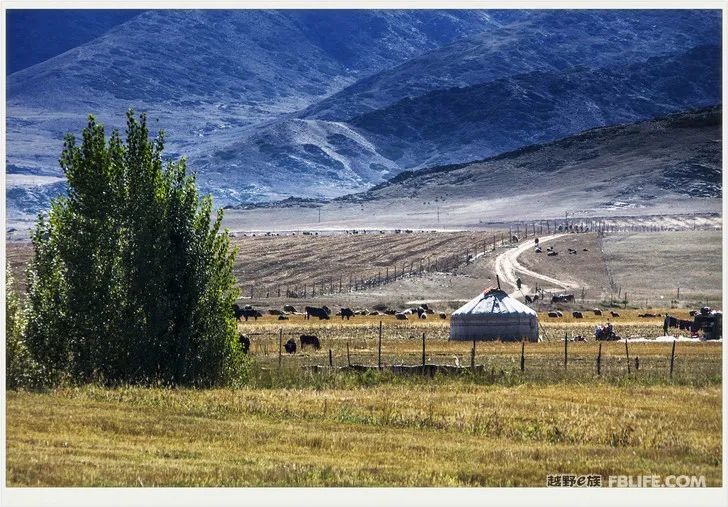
[(271, 104)]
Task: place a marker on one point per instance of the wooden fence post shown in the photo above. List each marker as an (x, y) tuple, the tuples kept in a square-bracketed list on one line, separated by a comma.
[(280, 347), (566, 350), (331, 359), (599, 360), (472, 357), (672, 357), (523, 355), (626, 350), (637, 363), (423, 350), (379, 353)]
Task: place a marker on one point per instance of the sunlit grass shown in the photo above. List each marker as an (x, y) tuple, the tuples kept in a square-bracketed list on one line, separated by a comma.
[(442, 433)]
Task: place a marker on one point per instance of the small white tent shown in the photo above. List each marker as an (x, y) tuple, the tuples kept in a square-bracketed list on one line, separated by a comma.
[(494, 315)]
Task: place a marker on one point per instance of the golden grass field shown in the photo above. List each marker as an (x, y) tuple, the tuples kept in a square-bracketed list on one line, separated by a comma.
[(295, 427), (442, 433)]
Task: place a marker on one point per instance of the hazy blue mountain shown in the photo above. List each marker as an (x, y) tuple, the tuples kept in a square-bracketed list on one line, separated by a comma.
[(466, 123), (546, 41), (268, 104), (541, 75), (35, 35), (212, 77)]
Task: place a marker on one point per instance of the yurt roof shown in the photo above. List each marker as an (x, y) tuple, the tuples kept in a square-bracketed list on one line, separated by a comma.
[(494, 301)]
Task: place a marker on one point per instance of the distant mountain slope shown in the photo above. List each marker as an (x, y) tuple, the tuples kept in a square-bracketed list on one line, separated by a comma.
[(295, 157), (545, 41), (35, 35), (621, 166), (316, 158), (459, 124), (269, 104), (259, 58), (211, 77)]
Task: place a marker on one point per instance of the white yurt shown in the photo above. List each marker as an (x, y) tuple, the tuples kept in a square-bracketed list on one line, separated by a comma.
[(494, 315)]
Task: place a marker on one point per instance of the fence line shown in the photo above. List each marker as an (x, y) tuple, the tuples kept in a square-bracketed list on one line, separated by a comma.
[(527, 362)]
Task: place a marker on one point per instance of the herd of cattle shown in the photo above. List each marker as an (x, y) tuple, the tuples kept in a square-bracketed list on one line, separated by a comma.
[(325, 313), (580, 315)]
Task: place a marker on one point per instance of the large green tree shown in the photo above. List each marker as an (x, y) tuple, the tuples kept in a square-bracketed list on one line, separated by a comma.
[(131, 279)]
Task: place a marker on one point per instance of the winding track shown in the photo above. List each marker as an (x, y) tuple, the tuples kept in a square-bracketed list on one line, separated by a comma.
[(507, 267)]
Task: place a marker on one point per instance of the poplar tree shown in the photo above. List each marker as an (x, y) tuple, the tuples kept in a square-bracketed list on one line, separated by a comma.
[(131, 278)]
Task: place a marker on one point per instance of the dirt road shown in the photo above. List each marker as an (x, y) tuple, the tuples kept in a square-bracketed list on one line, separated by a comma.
[(508, 268)]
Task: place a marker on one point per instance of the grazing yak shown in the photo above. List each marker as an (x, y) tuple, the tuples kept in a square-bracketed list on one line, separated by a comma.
[(442, 315), (577, 315), (307, 339), (283, 317), (289, 308), (614, 314), (246, 312), (552, 253), (597, 311), (553, 314), (291, 346), (346, 312), (244, 343), (423, 315), (400, 316), (322, 313), (390, 312), (274, 311)]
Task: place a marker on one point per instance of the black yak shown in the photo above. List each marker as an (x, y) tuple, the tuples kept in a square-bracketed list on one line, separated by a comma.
[(290, 346), (244, 343), (322, 313), (307, 339)]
